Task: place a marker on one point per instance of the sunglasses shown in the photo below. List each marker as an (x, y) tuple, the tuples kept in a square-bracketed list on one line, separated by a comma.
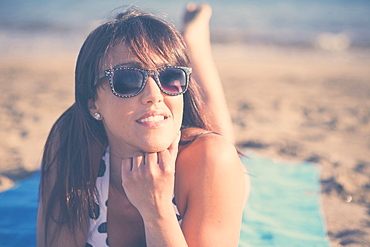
[(127, 82)]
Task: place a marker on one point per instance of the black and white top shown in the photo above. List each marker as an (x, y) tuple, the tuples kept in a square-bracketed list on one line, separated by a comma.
[(98, 220)]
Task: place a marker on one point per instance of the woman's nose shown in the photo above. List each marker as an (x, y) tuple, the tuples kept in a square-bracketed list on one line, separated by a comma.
[(151, 92)]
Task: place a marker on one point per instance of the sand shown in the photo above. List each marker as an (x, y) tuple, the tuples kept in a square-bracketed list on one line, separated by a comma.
[(297, 104)]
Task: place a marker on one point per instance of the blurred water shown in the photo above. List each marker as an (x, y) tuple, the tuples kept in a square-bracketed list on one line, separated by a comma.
[(63, 24)]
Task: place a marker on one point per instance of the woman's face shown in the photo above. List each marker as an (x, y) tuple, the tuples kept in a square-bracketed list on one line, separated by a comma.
[(147, 122)]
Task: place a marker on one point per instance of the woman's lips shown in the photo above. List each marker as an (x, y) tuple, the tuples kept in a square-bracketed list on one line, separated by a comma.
[(152, 119), (157, 118)]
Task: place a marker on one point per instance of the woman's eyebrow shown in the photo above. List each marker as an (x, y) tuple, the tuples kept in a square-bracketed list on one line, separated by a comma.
[(130, 64)]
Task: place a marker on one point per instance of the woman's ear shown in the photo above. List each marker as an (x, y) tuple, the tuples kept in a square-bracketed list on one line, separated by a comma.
[(94, 110), (92, 106)]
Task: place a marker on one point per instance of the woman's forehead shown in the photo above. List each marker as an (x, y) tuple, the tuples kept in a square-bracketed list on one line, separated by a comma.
[(120, 55)]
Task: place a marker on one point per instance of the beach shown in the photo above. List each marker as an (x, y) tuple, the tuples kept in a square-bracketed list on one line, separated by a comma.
[(287, 103), (295, 74), (309, 105)]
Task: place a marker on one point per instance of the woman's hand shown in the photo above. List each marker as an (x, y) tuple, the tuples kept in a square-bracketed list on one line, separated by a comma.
[(148, 178)]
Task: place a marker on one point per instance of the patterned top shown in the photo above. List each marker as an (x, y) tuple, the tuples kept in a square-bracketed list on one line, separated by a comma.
[(98, 220)]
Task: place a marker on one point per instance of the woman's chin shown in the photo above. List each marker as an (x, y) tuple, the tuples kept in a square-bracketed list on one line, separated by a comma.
[(155, 146)]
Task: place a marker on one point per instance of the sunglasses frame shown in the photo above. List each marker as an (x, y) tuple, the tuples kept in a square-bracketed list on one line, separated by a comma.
[(147, 73)]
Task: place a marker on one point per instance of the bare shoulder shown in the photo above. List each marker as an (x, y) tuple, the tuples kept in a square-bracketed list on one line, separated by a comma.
[(209, 159), (210, 190), (208, 148)]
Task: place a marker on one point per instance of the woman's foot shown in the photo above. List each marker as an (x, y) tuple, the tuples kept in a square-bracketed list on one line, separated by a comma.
[(196, 31)]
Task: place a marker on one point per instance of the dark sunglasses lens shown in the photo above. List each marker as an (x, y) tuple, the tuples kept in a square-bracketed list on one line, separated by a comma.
[(173, 80), (127, 82)]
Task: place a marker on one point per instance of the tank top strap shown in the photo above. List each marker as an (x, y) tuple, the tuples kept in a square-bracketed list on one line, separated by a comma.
[(183, 143)]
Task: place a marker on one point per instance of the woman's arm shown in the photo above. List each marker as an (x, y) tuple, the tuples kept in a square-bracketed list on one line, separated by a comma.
[(148, 180), (57, 235), (62, 236), (210, 192)]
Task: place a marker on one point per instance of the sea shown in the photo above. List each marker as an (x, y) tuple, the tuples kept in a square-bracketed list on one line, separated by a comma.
[(62, 25)]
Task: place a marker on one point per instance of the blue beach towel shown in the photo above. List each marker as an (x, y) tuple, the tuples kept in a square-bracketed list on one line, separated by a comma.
[(18, 209), (283, 209)]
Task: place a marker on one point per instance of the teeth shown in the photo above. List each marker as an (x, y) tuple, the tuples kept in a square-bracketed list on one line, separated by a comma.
[(152, 119)]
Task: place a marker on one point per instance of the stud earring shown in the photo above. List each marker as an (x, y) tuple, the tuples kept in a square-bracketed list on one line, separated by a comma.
[(97, 116)]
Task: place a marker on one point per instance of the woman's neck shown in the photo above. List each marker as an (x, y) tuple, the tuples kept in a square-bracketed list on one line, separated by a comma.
[(115, 171), (116, 157)]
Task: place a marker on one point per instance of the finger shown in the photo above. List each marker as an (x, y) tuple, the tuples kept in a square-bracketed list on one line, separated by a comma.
[(151, 158), (166, 161), (126, 166), (173, 148), (163, 156), (168, 156), (137, 160)]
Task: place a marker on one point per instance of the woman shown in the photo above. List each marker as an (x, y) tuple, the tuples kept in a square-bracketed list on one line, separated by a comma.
[(108, 169)]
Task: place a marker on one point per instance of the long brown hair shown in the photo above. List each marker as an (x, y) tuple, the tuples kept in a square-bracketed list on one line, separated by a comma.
[(77, 141)]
